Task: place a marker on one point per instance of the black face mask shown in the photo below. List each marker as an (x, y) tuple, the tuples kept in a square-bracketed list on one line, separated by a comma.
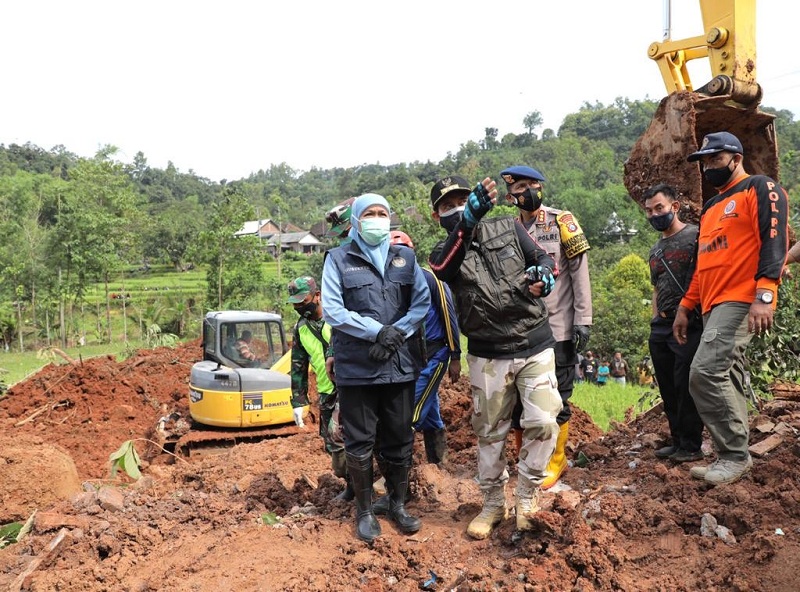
[(718, 177), (451, 220), (529, 200), (662, 222), (306, 311)]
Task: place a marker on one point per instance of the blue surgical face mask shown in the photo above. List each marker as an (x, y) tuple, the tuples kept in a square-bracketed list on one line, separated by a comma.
[(374, 231), (450, 219)]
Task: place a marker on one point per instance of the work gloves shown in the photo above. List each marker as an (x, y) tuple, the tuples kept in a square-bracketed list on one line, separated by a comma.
[(388, 341), (478, 204), (580, 337), (298, 417), (542, 273)]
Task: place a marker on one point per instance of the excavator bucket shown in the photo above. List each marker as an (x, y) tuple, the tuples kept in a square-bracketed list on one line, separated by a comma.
[(677, 129)]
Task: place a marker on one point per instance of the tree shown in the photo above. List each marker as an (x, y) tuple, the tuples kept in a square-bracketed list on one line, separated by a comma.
[(622, 308), (618, 125), (94, 233), (234, 262), (490, 138), (531, 121), (169, 235)]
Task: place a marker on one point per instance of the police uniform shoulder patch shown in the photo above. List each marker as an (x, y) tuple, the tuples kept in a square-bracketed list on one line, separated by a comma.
[(398, 262), (572, 238)]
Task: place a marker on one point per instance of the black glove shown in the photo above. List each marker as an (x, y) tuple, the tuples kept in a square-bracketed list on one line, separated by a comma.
[(391, 337), (580, 337), (542, 273), (388, 341), (478, 204), (380, 353)]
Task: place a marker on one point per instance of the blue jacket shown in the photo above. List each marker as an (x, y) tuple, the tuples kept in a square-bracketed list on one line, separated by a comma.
[(357, 301), (441, 323)]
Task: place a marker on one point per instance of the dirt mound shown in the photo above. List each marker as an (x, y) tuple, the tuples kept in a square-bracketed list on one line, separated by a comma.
[(33, 474), (90, 407), (262, 517)]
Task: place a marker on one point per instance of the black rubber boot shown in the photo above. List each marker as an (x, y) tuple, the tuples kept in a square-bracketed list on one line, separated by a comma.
[(348, 494), (396, 489), (360, 470), (380, 507), (435, 445)]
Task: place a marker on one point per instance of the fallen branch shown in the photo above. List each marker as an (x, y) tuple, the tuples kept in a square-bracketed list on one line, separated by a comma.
[(161, 447), (51, 552), (33, 415), (63, 354), (44, 408)]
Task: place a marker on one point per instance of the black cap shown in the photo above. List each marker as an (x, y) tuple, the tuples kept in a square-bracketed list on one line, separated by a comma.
[(717, 142), (444, 186)]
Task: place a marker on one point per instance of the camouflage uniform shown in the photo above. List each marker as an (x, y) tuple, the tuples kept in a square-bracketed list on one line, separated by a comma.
[(495, 383)]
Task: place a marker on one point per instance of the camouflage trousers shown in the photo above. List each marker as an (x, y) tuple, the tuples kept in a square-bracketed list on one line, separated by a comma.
[(495, 383), (329, 427)]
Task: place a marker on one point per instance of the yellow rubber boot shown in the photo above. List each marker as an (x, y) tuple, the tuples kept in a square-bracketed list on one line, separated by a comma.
[(527, 503), (494, 511), (558, 462)]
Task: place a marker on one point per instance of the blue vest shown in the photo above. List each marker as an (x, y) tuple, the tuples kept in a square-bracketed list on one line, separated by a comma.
[(385, 299)]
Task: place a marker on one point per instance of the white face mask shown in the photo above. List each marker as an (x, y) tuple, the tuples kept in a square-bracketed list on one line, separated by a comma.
[(451, 211), (374, 230)]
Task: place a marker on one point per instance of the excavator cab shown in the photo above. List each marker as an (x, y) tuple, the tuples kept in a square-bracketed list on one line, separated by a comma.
[(728, 102), (224, 332), (233, 399)]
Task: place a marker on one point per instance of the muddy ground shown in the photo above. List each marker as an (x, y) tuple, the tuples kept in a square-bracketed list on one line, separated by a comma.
[(624, 521)]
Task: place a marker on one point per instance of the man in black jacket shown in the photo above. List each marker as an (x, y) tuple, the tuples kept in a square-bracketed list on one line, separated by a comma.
[(497, 274)]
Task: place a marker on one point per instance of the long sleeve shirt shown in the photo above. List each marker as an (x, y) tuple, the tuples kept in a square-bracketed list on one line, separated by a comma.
[(364, 327), (742, 243)]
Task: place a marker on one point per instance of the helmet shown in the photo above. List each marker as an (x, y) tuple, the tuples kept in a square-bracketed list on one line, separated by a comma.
[(398, 237), (338, 218)]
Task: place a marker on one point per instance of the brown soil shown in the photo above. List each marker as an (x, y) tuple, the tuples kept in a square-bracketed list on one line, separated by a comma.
[(624, 521)]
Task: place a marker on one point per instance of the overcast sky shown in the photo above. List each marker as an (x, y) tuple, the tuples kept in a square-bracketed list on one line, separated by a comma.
[(226, 88)]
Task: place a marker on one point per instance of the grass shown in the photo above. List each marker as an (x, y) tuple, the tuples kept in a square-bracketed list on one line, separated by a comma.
[(159, 280), (611, 402), (18, 366)]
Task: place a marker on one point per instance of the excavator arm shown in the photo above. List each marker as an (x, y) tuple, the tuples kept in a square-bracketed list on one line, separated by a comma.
[(728, 102), (730, 46)]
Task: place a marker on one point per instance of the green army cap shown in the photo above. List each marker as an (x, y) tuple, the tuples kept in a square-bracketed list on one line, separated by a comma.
[(301, 287)]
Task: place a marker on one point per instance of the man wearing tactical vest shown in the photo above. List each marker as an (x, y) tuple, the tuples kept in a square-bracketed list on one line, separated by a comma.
[(569, 305), (497, 274), (311, 338)]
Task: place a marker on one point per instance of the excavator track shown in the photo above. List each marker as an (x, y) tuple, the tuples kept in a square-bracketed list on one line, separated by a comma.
[(184, 437), (202, 440)]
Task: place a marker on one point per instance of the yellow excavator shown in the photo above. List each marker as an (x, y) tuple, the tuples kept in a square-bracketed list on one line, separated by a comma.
[(241, 390), (728, 102)]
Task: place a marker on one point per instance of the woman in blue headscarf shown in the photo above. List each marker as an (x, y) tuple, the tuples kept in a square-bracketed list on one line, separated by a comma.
[(375, 297)]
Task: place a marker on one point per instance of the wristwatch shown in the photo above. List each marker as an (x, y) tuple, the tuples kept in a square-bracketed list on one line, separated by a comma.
[(765, 297)]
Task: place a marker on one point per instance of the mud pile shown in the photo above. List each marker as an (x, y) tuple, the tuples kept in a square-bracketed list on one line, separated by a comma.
[(623, 521)]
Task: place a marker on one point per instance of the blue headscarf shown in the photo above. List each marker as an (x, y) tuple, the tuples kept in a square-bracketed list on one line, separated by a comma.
[(377, 254)]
